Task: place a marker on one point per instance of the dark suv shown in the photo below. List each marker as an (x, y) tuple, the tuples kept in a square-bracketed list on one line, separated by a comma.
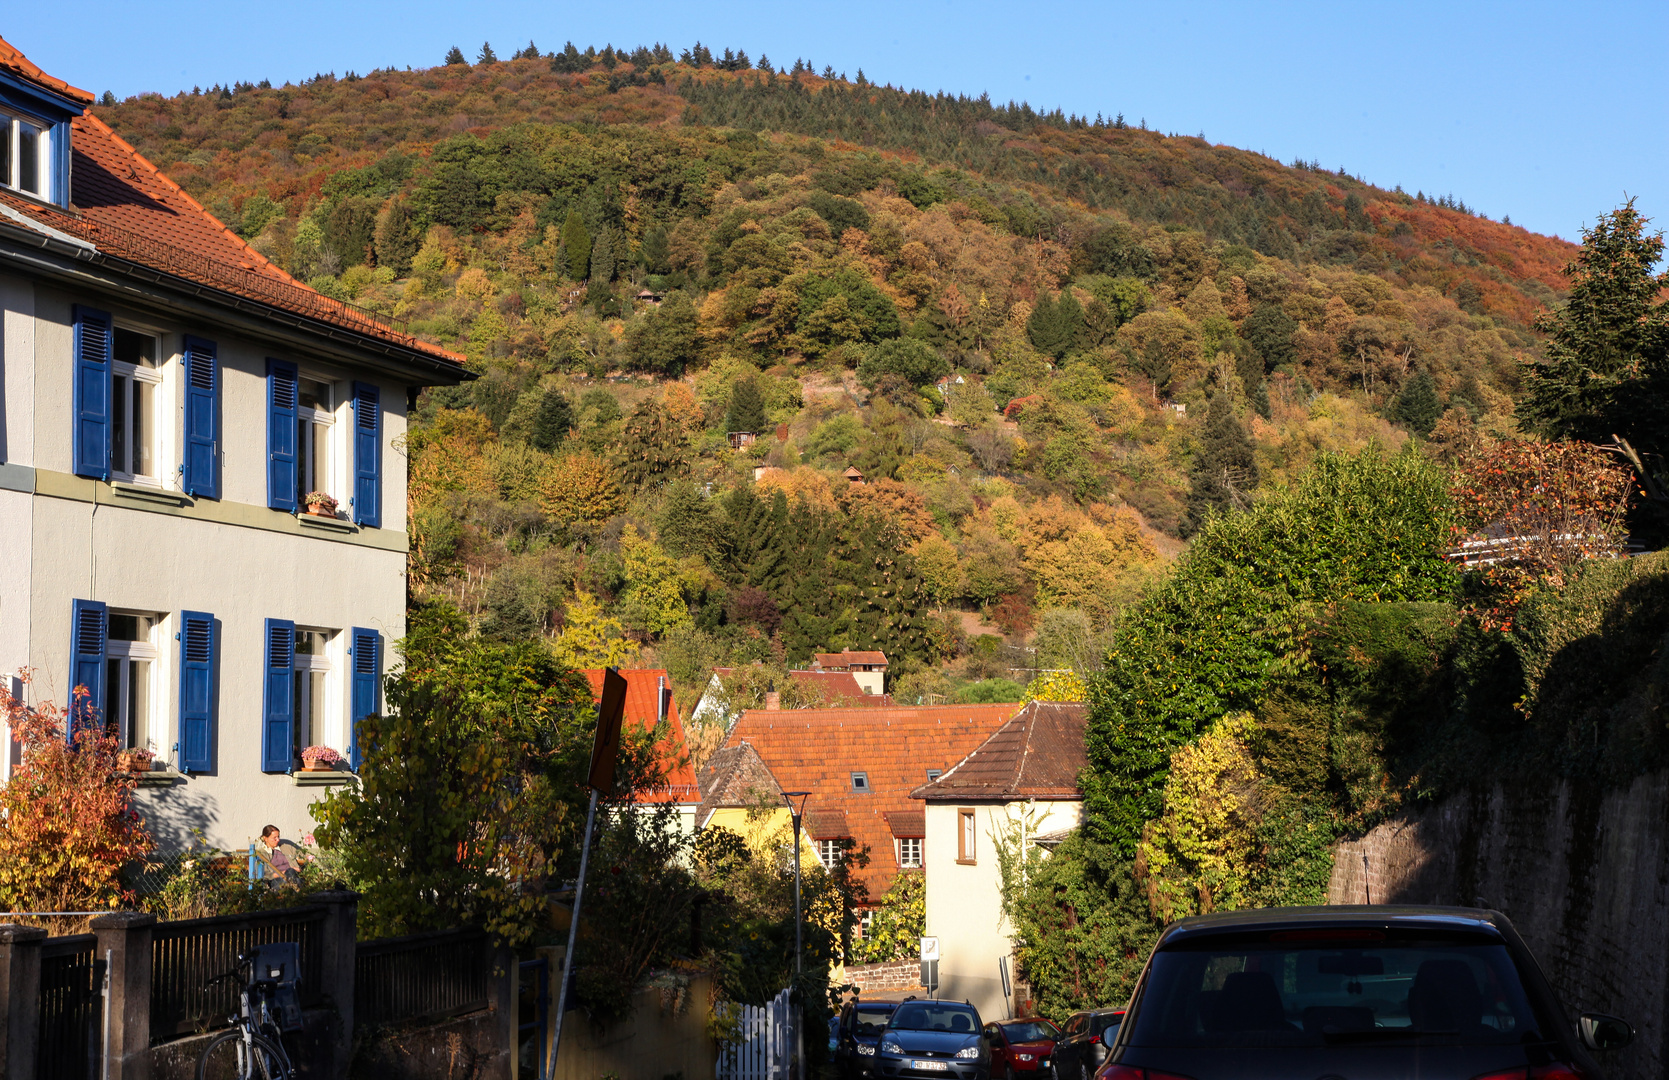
[(857, 1032), (1082, 1046), (1369, 993)]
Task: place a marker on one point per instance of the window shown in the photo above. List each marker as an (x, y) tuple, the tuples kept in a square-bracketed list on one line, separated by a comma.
[(315, 420), (866, 920), (129, 653), (828, 853), (24, 153), (909, 852), (934, 774), (965, 833), (311, 674), (860, 782), (135, 379)]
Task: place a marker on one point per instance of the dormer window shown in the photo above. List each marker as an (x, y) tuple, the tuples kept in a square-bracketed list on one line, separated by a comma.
[(25, 156)]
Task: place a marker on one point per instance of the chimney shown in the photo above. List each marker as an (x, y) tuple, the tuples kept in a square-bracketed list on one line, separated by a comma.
[(661, 697), (773, 700)]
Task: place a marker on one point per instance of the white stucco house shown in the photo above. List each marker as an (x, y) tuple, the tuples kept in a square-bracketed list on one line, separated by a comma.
[(167, 399), (1018, 787)]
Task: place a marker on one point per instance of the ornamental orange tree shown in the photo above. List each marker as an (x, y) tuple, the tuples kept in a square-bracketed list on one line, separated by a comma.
[(1529, 511), (67, 822)]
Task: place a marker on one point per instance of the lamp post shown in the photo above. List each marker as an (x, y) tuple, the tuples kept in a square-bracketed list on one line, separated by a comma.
[(798, 813)]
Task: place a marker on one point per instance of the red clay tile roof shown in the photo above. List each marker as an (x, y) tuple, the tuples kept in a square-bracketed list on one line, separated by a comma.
[(734, 776), (837, 688), (907, 823), (1037, 755), (826, 824), (817, 750), (642, 714), (21, 66), (127, 209), (846, 658)]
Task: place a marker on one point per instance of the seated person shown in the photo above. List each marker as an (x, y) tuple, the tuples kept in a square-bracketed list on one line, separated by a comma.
[(281, 857)]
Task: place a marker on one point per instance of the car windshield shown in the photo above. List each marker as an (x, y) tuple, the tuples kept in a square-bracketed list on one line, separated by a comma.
[(869, 1021), (1031, 1031), (1314, 987), (935, 1016)]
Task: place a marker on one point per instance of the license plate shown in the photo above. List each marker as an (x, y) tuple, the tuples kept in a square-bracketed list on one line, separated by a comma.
[(934, 1066)]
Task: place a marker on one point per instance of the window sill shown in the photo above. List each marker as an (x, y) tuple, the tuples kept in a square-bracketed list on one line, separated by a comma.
[(326, 524), (967, 862), (144, 493), (157, 778), (321, 778)]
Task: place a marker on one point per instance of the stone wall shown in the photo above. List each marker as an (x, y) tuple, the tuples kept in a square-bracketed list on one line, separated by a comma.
[(1583, 874), (894, 976)]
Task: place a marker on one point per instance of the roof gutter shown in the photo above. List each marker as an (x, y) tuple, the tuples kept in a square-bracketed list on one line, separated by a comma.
[(40, 243)]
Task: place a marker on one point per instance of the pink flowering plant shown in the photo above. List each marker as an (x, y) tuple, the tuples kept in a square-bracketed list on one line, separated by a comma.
[(321, 753)]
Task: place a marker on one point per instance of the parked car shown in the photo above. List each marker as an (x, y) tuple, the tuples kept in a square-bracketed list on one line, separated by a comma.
[(1019, 1047), (857, 1031), (1082, 1046), (1368, 993), (934, 1038)]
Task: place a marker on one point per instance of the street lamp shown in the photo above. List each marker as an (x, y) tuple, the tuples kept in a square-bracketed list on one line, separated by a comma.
[(798, 813)]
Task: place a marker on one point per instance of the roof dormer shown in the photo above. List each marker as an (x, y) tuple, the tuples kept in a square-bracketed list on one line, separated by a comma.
[(35, 114)]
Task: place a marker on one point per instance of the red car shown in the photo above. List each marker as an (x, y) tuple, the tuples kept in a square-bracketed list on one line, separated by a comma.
[(1020, 1047)]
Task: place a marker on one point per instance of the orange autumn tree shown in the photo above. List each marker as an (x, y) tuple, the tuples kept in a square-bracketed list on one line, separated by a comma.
[(1529, 512), (67, 822)]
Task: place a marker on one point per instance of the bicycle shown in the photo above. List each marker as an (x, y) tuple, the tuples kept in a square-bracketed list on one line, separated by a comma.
[(254, 1048)]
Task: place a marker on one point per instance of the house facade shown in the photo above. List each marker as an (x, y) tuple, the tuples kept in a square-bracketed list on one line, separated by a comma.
[(168, 401), (1019, 788)]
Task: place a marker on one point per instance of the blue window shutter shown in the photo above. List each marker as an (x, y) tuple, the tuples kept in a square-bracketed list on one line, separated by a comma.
[(367, 496), (92, 393), (278, 710), (281, 435), (197, 690), (200, 471), (87, 633), (367, 682)]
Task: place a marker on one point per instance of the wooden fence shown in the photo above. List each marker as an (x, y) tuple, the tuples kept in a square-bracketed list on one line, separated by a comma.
[(421, 977), (67, 1025), (766, 1048), (186, 955)]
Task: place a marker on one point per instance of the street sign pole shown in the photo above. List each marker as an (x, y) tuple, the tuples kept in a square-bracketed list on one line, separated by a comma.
[(604, 753)]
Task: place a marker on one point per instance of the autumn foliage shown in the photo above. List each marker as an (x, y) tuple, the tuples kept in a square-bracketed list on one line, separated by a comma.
[(1531, 511), (67, 822)]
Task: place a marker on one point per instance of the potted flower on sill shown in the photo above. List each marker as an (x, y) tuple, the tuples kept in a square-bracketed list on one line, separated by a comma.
[(134, 760), (319, 504), (319, 759)]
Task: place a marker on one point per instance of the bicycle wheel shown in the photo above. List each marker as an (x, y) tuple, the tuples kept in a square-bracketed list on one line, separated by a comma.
[(228, 1057)]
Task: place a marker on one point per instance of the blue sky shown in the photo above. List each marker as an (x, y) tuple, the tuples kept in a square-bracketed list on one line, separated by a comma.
[(1550, 113)]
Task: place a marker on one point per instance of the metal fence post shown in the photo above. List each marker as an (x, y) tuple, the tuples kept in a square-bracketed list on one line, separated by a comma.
[(338, 948), (503, 1000), (125, 938), (20, 998)]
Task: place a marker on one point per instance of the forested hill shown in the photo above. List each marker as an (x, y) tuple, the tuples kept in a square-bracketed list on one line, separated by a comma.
[(227, 144)]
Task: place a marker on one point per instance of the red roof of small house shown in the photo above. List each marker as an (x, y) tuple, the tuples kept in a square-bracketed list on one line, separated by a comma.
[(837, 688), (21, 66), (818, 750), (124, 207), (1039, 754), (846, 658), (642, 714)]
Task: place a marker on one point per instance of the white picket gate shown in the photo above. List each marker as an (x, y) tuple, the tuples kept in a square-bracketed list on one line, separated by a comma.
[(765, 1050)]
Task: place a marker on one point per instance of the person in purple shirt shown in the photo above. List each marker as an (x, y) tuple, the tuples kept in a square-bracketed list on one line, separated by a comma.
[(281, 855)]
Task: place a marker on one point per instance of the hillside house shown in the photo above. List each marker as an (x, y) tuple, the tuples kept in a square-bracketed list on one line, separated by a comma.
[(832, 689), (868, 668), (861, 766), (168, 398), (1019, 787)]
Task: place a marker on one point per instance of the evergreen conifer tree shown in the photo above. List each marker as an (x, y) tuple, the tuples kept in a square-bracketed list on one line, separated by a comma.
[(686, 524), (553, 421), (652, 447), (577, 243), (455, 55), (396, 240), (1224, 471), (486, 56), (655, 250), (754, 542), (747, 407), (602, 258), (1417, 406)]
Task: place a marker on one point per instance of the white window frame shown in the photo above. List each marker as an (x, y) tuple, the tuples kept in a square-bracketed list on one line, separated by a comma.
[(326, 732), (904, 845), (144, 652), (153, 376), (11, 748), (9, 130), (828, 853), (328, 437)]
